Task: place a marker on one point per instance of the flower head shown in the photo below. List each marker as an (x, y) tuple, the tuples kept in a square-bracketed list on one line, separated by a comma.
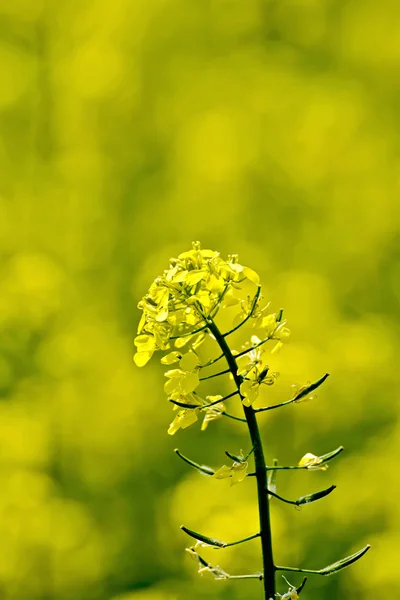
[(178, 313), (179, 301)]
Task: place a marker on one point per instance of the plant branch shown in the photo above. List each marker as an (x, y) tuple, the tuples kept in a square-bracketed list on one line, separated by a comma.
[(187, 333), (225, 414), (199, 406), (212, 361), (208, 541), (252, 348), (215, 375), (301, 394), (330, 569), (305, 499), (220, 400), (202, 468)]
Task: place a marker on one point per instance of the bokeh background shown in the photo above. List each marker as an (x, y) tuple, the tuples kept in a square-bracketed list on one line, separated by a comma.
[(130, 128)]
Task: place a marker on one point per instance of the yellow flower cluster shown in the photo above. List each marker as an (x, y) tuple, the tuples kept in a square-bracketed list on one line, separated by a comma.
[(178, 310), (179, 302)]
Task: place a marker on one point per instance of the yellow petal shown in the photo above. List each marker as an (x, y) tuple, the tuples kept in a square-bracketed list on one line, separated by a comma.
[(182, 341), (250, 390), (309, 460), (251, 275), (171, 358), (191, 318), (179, 277), (276, 348), (173, 428), (223, 472), (188, 418), (205, 423), (142, 358), (144, 342), (173, 373), (162, 315), (194, 277), (204, 299), (189, 382), (142, 323), (189, 361), (197, 340), (239, 472), (269, 324), (183, 419), (171, 386), (215, 398)]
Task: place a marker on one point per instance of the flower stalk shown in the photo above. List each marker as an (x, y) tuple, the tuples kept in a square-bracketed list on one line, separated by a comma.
[(261, 472), (181, 308)]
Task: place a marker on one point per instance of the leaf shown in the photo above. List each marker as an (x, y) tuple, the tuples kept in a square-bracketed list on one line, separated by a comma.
[(203, 538), (316, 496)]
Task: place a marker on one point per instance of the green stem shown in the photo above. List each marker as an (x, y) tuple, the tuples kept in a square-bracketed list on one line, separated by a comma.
[(296, 570), (282, 499), (247, 539), (233, 417), (261, 472), (251, 312), (215, 375), (253, 347), (212, 362), (187, 333)]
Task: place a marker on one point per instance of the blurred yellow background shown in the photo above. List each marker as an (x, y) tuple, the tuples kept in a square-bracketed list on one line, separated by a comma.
[(130, 128)]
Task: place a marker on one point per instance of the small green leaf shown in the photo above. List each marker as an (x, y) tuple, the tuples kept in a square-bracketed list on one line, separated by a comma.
[(345, 562), (316, 496), (203, 538)]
